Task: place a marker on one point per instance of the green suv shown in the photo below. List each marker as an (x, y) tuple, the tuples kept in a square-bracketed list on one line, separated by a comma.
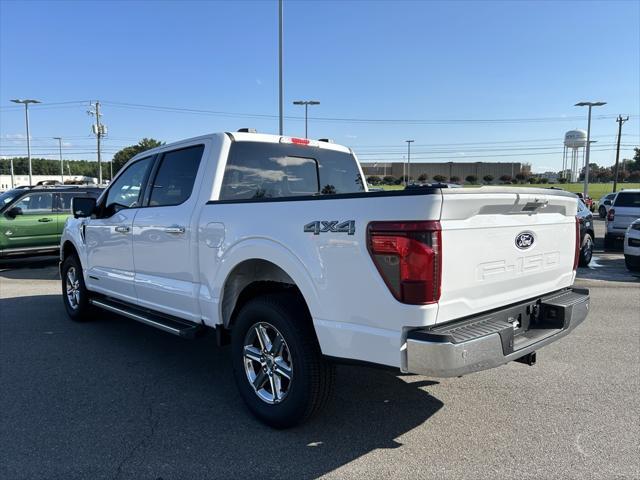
[(32, 218)]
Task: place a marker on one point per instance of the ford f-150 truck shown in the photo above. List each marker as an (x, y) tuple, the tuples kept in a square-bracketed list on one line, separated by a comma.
[(275, 244)]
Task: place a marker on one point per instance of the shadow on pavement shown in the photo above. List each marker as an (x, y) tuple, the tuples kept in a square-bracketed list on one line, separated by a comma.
[(30, 268), (609, 267), (116, 399)]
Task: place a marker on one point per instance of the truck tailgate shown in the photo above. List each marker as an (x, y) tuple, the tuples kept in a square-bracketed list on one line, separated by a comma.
[(503, 245)]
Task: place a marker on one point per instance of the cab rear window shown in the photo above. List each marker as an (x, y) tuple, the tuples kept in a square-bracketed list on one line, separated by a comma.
[(265, 170)]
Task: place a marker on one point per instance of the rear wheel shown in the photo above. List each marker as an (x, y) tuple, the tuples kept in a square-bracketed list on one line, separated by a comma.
[(277, 363), (602, 212), (586, 251), (74, 292)]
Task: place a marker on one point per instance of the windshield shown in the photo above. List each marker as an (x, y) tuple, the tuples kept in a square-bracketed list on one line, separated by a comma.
[(7, 197)]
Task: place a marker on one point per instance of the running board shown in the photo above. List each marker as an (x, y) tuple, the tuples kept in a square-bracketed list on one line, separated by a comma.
[(176, 326)]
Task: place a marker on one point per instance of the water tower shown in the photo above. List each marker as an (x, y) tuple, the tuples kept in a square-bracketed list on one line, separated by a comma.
[(574, 141)]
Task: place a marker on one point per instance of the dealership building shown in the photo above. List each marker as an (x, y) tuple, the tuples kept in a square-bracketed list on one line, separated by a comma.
[(447, 169)]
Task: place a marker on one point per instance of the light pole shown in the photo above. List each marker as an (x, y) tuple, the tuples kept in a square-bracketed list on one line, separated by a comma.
[(409, 142), (26, 103), (306, 104), (586, 160), (280, 89), (61, 162)]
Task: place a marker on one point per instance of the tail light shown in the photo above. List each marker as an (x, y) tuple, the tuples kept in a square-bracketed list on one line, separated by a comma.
[(408, 256), (611, 215), (576, 257)]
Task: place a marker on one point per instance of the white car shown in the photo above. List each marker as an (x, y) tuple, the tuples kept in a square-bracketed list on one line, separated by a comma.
[(624, 210), (604, 204), (275, 244), (632, 247)]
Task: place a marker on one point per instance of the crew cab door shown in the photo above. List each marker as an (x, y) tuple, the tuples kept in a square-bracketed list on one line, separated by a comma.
[(164, 235), (32, 223), (108, 237)]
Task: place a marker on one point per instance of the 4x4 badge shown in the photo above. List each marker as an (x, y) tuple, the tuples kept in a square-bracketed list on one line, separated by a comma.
[(333, 226)]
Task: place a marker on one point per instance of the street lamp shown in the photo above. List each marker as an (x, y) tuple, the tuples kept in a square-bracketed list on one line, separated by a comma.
[(409, 142), (306, 104), (586, 160), (26, 103), (61, 162)]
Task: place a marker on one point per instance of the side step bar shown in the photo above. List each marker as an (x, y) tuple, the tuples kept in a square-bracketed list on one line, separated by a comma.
[(173, 325)]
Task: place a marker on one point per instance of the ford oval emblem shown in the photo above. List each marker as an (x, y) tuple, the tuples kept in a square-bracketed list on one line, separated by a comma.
[(524, 240)]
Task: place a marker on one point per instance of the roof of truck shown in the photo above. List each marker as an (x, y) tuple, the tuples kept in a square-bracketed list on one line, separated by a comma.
[(256, 137)]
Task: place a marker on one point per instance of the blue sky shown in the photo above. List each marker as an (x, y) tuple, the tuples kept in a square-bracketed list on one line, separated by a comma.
[(371, 64)]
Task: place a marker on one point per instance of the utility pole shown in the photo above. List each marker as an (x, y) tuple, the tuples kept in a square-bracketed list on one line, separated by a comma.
[(409, 142), (588, 149), (61, 162), (620, 121), (99, 131), (26, 103), (281, 100)]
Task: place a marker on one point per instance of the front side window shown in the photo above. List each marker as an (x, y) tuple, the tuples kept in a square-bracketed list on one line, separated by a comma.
[(35, 203), (125, 190), (265, 170), (176, 176)]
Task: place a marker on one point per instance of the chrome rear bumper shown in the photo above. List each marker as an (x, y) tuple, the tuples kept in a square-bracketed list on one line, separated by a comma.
[(495, 338)]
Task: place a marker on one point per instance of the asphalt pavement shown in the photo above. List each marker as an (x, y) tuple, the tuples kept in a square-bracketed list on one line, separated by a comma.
[(114, 399)]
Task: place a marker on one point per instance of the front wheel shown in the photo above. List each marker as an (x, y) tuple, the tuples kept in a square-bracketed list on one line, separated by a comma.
[(74, 292), (277, 363), (586, 251), (602, 212)]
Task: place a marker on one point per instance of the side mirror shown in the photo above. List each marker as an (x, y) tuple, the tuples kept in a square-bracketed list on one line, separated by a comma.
[(83, 207), (14, 212), (607, 202)]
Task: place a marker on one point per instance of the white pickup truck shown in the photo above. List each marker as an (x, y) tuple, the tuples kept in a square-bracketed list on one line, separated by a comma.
[(275, 244)]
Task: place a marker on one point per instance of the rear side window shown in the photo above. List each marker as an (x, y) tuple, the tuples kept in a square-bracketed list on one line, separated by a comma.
[(265, 170), (176, 176), (628, 199)]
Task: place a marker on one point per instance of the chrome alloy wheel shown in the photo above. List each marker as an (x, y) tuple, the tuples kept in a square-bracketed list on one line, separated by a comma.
[(267, 363), (73, 288)]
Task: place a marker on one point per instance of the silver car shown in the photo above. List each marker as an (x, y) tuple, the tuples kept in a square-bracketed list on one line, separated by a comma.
[(604, 204), (623, 212)]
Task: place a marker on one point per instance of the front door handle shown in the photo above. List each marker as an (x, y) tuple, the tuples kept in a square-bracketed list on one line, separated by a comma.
[(174, 229), (122, 229), (45, 220)]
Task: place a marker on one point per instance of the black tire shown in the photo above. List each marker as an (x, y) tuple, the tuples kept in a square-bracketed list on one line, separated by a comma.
[(602, 212), (586, 250), (312, 376), (631, 267), (79, 310)]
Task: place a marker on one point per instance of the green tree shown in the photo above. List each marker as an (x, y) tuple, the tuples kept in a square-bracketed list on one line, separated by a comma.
[(505, 178), (423, 178), (127, 153), (454, 179), (373, 180), (488, 178), (440, 178)]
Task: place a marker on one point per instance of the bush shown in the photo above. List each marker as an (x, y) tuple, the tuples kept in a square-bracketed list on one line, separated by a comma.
[(389, 180), (373, 180), (454, 179), (505, 178), (521, 177), (563, 180), (423, 178), (533, 180), (471, 179), (488, 178), (544, 180), (440, 178), (634, 176)]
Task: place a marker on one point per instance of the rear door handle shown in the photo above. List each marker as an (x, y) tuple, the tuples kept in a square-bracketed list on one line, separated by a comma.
[(174, 229), (45, 220), (122, 229)]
